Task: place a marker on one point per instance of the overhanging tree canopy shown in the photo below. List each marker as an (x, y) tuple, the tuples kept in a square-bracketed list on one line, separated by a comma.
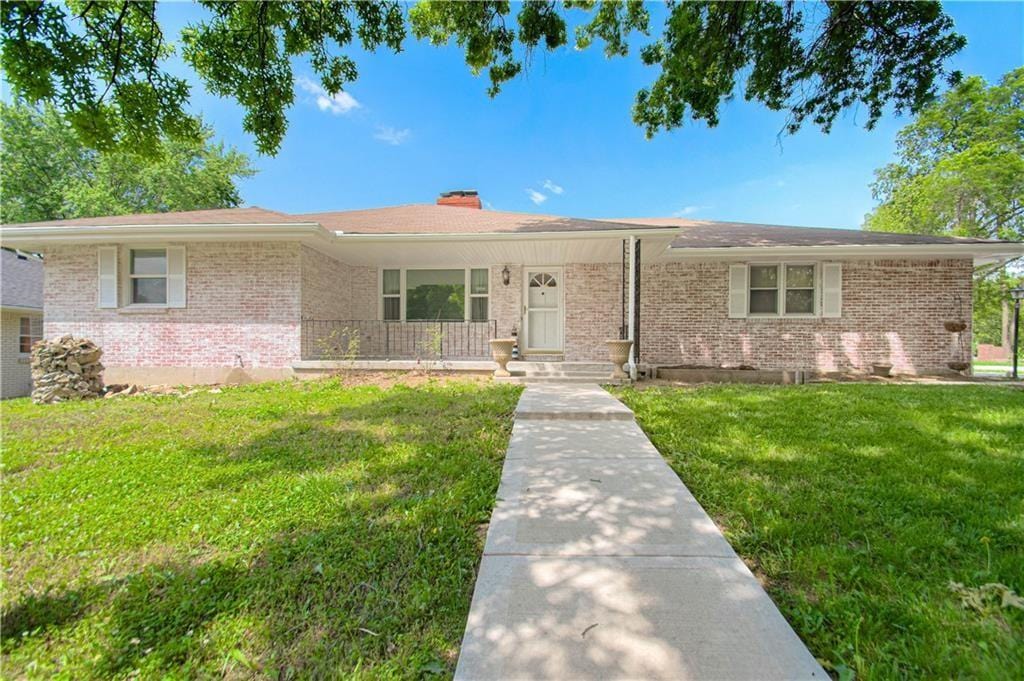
[(103, 63), (46, 173)]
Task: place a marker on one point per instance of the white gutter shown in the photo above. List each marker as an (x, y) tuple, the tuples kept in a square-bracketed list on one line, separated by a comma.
[(205, 232), (192, 232), (20, 308), (1003, 250)]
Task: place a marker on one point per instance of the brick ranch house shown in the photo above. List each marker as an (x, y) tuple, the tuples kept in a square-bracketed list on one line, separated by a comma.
[(208, 296)]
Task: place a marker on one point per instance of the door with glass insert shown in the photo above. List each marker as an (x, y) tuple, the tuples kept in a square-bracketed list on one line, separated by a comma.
[(543, 318)]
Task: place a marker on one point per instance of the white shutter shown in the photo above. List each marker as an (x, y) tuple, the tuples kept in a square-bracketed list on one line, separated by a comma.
[(175, 276), (832, 289), (107, 296), (737, 291)]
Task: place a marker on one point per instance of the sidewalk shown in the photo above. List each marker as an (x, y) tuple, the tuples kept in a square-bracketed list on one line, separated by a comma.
[(600, 564)]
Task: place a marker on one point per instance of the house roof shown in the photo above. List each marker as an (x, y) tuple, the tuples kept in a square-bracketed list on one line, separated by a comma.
[(21, 280), (452, 221), (434, 219), (712, 234), (218, 216)]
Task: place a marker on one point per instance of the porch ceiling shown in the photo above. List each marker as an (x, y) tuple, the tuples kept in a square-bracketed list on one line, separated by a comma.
[(397, 252)]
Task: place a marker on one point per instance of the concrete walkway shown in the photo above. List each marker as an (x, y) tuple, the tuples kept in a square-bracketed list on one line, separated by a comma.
[(600, 564)]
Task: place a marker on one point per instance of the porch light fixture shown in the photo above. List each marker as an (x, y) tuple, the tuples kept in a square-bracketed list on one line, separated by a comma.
[(506, 276), (1017, 294)]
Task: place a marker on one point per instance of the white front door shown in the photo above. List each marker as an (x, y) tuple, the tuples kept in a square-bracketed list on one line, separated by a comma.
[(543, 315)]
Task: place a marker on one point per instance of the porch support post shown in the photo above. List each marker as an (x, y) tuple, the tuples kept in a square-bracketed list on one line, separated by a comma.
[(632, 306)]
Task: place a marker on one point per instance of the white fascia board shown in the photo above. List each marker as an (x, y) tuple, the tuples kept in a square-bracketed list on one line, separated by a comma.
[(980, 252), (38, 236)]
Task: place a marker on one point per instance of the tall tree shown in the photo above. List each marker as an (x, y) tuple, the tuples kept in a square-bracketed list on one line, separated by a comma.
[(960, 171), (102, 63), (960, 165), (47, 172)]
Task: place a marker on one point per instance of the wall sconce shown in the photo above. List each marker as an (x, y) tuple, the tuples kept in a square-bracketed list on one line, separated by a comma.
[(505, 276)]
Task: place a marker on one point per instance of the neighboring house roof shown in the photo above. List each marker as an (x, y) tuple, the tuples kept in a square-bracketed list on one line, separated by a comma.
[(21, 281), (711, 234)]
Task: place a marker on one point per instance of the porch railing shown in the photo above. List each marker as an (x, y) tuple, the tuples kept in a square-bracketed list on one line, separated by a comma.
[(349, 339)]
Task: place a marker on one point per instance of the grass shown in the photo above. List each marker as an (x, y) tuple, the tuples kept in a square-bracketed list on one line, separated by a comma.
[(859, 505), (279, 530)]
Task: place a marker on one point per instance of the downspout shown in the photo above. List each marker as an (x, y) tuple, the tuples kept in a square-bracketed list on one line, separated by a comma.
[(632, 306)]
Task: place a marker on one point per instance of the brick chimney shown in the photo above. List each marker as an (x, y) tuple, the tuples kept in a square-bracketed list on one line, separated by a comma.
[(463, 198)]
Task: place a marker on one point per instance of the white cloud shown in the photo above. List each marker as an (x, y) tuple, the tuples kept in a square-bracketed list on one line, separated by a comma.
[(688, 210), (552, 187), (338, 103), (536, 196), (392, 136)]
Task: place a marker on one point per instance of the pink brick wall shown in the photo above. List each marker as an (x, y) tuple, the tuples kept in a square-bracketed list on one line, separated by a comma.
[(324, 282), (245, 302), (593, 309), (243, 306), (893, 313), (505, 305), (362, 292)]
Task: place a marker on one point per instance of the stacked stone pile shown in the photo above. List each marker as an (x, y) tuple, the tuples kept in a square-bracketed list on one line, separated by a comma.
[(66, 368)]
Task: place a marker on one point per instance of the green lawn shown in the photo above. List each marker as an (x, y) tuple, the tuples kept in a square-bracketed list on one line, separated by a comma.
[(859, 505), (277, 530)]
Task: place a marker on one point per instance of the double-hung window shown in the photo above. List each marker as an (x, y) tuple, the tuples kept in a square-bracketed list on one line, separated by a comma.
[(799, 281), (782, 289), (391, 290), (764, 289), (435, 295), (479, 289), (147, 273), (29, 331)]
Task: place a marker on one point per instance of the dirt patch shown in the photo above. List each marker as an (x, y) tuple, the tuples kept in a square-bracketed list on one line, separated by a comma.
[(387, 379)]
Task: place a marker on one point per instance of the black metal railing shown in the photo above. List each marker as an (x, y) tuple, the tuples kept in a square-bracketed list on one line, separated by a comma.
[(353, 339)]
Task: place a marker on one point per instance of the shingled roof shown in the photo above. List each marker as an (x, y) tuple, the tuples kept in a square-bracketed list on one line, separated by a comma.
[(434, 219), (217, 216), (711, 234)]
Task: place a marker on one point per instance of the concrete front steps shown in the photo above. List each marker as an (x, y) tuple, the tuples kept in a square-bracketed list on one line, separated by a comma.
[(560, 372)]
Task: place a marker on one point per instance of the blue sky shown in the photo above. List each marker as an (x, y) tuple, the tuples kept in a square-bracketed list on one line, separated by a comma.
[(560, 140)]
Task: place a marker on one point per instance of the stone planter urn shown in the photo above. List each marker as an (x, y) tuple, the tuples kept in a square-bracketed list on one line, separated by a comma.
[(501, 352), (618, 353)]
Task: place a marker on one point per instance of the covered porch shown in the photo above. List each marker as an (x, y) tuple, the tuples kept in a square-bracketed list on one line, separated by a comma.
[(443, 297)]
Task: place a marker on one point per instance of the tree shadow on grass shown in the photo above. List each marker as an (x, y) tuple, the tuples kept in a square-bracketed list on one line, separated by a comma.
[(859, 506), (383, 581), (313, 602), (427, 422)]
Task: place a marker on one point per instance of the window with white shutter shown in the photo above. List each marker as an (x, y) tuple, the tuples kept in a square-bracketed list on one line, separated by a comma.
[(107, 265), (832, 289), (738, 291)]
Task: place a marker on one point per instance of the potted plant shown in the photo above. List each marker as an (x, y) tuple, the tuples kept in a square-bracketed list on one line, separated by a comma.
[(883, 370)]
